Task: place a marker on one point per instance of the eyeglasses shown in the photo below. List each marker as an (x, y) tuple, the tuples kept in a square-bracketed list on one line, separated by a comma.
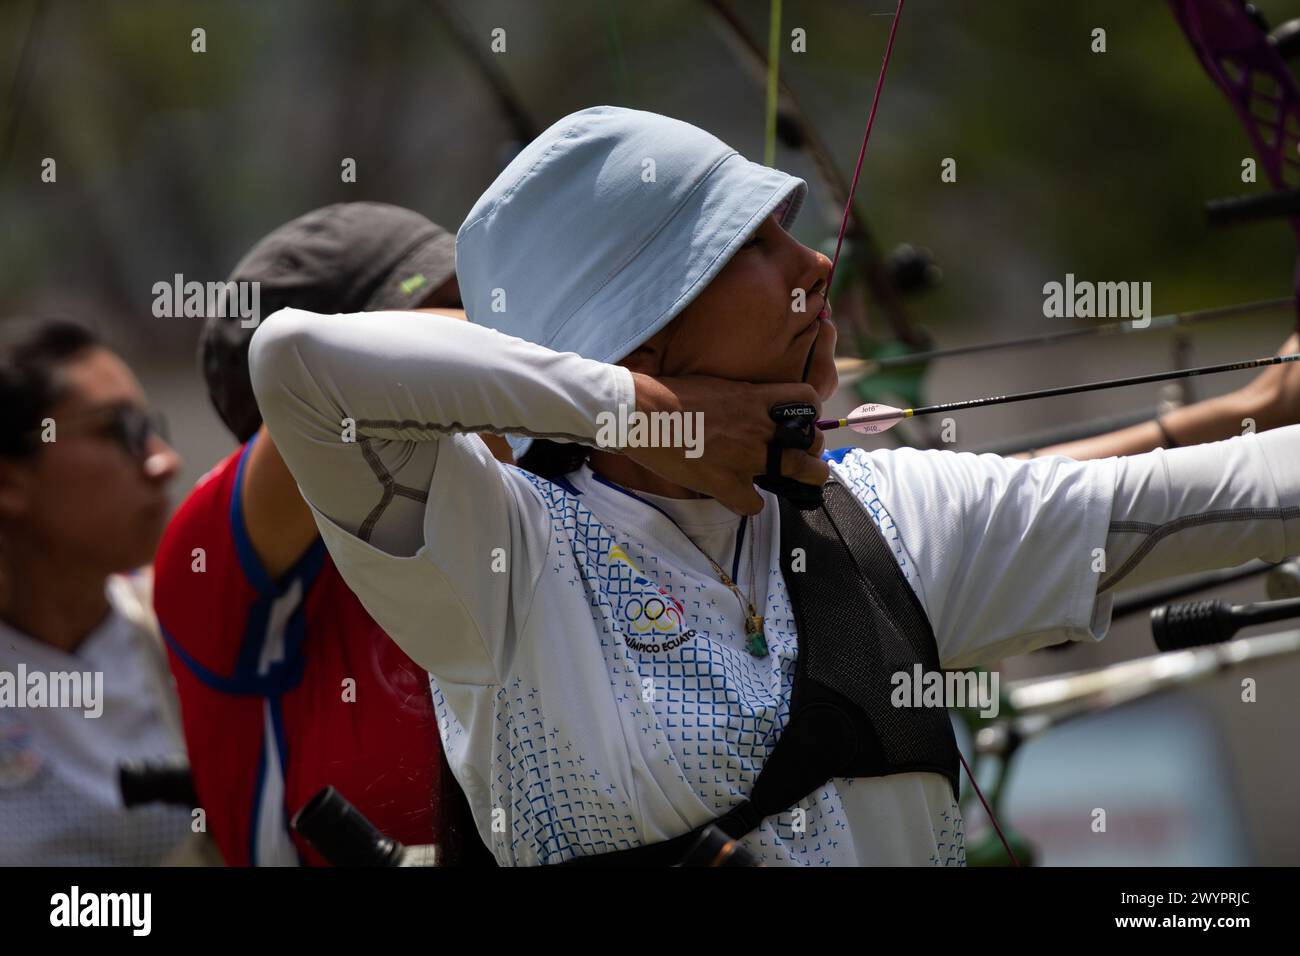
[(127, 425)]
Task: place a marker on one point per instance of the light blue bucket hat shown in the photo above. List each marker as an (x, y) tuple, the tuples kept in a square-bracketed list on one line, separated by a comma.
[(606, 226)]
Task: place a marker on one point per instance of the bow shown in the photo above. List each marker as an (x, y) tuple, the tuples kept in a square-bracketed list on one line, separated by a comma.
[(1233, 44), (870, 261), (886, 278), (1232, 41), (839, 242)]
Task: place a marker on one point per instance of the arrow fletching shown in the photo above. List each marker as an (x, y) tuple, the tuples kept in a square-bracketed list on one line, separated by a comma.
[(869, 419)]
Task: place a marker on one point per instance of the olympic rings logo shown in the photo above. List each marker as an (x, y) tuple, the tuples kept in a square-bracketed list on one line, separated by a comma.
[(660, 614)]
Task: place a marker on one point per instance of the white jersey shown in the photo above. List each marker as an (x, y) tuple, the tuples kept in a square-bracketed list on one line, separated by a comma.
[(593, 687), (60, 803), (594, 727)]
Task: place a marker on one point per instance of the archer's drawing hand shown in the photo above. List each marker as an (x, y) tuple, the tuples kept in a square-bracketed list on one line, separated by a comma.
[(737, 430)]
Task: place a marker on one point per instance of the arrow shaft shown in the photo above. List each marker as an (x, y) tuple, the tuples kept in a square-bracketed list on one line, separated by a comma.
[(1169, 320), (831, 423)]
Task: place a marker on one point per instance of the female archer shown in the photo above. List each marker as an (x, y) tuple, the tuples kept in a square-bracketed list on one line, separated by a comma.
[(629, 263)]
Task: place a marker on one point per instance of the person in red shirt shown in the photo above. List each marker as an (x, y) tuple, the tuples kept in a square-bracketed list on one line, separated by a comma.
[(286, 683)]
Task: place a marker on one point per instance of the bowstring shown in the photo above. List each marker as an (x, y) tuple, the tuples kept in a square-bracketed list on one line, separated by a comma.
[(857, 170), (987, 809), (839, 242)]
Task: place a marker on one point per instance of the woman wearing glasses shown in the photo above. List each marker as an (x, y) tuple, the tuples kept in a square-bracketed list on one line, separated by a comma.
[(83, 683)]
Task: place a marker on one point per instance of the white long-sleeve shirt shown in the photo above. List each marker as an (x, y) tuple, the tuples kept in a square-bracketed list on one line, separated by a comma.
[(572, 732)]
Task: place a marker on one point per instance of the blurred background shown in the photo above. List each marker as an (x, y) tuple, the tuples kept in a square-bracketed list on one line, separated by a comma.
[(1068, 161)]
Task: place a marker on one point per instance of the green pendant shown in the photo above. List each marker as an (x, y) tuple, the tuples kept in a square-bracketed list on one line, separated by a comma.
[(756, 643)]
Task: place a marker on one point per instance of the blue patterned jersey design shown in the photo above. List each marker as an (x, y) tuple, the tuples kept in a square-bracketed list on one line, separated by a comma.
[(690, 698)]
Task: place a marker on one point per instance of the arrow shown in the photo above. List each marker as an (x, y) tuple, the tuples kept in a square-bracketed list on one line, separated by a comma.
[(852, 369), (873, 418)]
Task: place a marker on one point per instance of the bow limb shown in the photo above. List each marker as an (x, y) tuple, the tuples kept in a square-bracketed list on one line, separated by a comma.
[(1232, 42)]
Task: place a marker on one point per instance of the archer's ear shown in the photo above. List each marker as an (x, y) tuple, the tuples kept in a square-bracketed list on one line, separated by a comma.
[(643, 360), (648, 357)]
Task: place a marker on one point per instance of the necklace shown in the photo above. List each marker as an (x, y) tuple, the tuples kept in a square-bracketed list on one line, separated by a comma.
[(755, 633)]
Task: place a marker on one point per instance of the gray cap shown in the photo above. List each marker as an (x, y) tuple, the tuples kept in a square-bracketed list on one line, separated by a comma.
[(348, 257)]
